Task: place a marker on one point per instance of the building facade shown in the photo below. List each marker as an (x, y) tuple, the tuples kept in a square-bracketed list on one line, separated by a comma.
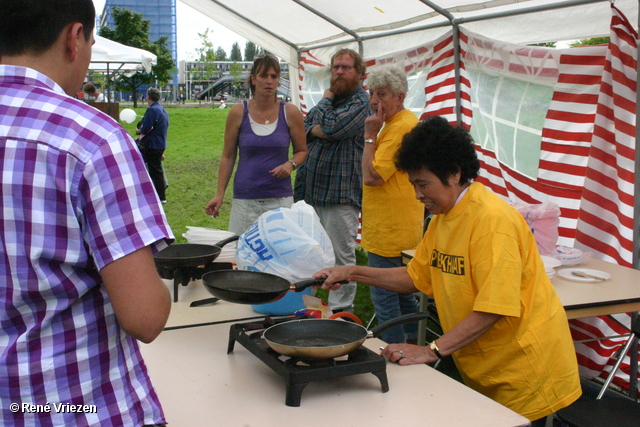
[(162, 17)]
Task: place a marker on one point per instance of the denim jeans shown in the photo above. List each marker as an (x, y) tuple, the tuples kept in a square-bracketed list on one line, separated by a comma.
[(389, 305), (341, 224)]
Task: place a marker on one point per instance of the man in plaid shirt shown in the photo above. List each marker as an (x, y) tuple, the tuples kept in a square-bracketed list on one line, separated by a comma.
[(330, 179), (79, 219)]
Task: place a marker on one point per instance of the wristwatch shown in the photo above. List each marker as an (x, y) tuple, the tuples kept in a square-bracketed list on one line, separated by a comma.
[(370, 141), (434, 347), (295, 165)]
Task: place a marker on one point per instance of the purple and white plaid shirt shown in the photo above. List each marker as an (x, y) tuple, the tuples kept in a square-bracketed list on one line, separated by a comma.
[(74, 196)]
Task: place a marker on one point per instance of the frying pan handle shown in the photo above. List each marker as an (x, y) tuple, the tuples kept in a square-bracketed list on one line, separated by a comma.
[(221, 243), (304, 284), (400, 320)]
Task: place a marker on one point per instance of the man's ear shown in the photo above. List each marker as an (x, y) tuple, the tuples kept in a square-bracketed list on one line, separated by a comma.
[(74, 35)]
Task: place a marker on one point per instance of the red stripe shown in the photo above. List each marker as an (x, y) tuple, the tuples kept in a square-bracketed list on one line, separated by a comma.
[(579, 98)]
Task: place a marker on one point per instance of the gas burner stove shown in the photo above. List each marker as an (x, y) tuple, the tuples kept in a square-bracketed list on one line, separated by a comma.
[(298, 373)]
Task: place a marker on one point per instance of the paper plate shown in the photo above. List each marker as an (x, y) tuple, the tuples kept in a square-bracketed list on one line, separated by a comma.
[(550, 262), (567, 273)]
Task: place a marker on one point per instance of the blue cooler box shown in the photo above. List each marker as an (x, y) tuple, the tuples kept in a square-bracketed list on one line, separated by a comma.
[(287, 305)]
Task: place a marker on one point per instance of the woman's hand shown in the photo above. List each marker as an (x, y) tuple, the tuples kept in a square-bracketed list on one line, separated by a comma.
[(282, 171), (373, 123), (408, 354), (333, 275), (213, 207)]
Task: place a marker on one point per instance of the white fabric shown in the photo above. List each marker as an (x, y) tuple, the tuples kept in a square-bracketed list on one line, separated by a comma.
[(264, 22), (109, 55)]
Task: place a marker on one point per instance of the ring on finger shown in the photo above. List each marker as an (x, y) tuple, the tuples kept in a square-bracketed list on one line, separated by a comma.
[(401, 353)]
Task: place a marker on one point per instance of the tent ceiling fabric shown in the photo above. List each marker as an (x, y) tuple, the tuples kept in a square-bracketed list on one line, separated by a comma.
[(109, 55), (285, 27)]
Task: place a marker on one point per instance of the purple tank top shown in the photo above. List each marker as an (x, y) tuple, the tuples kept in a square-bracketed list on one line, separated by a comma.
[(259, 155)]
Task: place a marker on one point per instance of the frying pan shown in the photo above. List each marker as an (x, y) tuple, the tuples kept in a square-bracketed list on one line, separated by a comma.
[(180, 261), (190, 254), (317, 339), (251, 287)]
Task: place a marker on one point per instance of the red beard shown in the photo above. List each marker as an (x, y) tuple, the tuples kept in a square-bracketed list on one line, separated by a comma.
[(342, 86)]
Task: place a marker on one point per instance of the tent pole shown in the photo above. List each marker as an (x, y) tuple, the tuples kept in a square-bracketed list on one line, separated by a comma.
[(456, 55), (456, 60), (336, 23), (636, 187)]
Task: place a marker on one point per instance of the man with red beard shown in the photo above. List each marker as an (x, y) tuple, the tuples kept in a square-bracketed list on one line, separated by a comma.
[(330, 179)]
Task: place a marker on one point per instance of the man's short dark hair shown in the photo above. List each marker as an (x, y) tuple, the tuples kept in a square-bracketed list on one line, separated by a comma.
[(33, 26), (441, 148), (153, 94), (358, 62), (88, 88)]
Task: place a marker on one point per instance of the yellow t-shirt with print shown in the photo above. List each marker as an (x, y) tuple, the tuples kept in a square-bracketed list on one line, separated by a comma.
[(482, 256), (392, 217)]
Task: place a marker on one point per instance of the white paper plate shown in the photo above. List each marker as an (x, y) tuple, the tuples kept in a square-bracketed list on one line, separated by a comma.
[(550, 262), (567, 273)]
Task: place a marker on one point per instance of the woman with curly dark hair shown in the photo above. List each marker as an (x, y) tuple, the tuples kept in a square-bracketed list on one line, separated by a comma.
[(503, 323)]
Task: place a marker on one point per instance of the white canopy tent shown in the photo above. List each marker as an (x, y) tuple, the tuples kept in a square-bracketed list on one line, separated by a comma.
[(113, 58), (306, 32), (595, 177)]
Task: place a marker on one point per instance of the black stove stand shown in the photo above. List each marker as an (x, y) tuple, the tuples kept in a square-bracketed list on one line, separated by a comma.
[(298, 373)]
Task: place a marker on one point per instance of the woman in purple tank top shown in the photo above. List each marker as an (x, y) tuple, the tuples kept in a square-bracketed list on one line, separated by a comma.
[(259, 133)]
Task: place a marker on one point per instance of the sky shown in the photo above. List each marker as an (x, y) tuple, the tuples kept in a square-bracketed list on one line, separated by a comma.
[(190, 23)]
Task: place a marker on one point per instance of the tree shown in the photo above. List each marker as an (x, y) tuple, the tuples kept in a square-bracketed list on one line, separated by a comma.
[(206, 68), (235, 71), (236, 55), (221, 54), (250, 51), (590, 42), (131, 30), (547, 44)]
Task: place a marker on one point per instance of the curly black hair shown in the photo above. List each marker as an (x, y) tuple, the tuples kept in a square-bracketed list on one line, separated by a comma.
[(441, 148)]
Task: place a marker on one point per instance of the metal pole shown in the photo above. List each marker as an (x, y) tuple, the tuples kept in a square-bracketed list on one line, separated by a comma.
[(636, 187)]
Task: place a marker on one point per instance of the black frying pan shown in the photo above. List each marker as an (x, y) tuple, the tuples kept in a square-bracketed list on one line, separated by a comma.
[(251, 287), (314, 339), (180, 261), (190, 254)]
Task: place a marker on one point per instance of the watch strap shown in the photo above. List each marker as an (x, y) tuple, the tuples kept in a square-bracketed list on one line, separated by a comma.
[(434, 347)]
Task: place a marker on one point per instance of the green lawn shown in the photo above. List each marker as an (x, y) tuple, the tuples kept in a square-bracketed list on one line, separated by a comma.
[(193, 152)]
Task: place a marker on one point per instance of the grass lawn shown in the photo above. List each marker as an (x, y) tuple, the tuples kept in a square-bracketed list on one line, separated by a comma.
[(194, 146)]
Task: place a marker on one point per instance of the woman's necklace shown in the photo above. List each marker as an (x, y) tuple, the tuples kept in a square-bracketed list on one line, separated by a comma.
[(266, 119)]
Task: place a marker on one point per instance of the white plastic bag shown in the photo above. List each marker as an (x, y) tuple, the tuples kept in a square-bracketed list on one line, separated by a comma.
[(290, 243), (543, 219)]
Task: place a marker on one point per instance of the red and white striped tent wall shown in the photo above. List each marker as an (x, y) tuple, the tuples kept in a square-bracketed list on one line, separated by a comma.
[(550, 125)]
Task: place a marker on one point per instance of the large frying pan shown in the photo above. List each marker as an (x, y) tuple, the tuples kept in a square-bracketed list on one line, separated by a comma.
[(317, 339), (251, 287), (190, 254), (180, 261)]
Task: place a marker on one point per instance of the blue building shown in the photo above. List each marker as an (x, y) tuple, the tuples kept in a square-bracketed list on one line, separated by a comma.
[(162, 17)]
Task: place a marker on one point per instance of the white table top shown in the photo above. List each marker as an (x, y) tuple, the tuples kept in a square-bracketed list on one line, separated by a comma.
[(200, 385), (620, 294), (222, 311)]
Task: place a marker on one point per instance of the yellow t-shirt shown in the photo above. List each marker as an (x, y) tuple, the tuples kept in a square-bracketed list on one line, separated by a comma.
[(392, 217), (482, 256)]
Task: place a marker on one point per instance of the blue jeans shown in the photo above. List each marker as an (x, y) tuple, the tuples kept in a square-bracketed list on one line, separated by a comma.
[(389, 305)]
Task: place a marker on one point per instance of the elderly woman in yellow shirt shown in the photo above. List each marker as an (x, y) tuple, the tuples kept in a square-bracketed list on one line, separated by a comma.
[(502, 320), (392, 217)]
